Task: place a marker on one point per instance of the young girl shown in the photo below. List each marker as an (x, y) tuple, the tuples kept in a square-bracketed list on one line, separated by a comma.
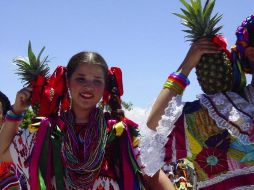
[(82, 147)]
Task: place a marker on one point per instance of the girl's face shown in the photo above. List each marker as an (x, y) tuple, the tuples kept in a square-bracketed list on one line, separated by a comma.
[(86, 85), (1, 114), (249, 53)]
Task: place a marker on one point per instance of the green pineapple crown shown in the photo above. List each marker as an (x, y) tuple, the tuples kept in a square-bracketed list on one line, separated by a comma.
[(199, 21), (30, 68)]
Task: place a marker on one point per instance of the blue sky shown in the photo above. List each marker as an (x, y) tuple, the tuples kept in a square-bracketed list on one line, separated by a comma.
[(142, 37)]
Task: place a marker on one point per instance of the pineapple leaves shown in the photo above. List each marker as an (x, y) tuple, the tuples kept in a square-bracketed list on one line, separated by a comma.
[(198, 20), (196, 4), (31, 55), (181, 16), (39, 56), (209, 5), (30, 68), (187, 5)]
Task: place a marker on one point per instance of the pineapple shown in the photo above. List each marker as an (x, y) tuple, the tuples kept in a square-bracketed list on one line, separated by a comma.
[(29, 69), (33, 72), (214, 71)]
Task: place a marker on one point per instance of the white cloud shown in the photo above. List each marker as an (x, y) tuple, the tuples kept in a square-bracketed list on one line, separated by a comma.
[(138, 115)]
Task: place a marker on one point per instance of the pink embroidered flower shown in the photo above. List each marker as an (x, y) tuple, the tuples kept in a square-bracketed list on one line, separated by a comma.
[(213, 161)]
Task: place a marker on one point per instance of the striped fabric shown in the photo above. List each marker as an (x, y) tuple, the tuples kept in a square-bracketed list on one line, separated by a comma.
[(8, 178)]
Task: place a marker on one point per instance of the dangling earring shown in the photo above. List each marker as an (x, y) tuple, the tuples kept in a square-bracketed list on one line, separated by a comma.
[(68, 91), (70, 98)]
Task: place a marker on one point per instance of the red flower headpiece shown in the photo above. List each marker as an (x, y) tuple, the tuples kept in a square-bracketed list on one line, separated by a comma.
[(50, 95)]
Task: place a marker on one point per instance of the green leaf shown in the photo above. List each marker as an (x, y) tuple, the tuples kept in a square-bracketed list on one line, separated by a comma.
[(39, 56), (29, 69), (31, 56), (181, 16), (196, 4), (187, 5), (208, 7)]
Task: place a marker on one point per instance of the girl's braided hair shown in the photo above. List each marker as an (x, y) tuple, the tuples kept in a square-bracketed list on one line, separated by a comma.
[(115, 98)]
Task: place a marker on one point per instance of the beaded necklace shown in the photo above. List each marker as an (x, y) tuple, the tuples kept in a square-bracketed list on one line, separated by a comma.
[(81, 172)]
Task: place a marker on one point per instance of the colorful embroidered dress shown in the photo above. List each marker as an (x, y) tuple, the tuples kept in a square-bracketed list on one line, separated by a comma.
[(213, 135), (51, 159)]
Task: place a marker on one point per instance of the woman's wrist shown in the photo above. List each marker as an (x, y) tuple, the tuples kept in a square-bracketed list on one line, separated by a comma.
[(185, 70), (17, 111), (13, 116), (177, 81)]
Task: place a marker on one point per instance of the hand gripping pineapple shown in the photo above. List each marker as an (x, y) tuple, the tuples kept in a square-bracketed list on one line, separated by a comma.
[(214, 71), (213, 135)]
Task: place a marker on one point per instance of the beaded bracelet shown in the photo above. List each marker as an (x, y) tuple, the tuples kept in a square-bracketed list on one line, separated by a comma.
[(13, 117), (177, 82)]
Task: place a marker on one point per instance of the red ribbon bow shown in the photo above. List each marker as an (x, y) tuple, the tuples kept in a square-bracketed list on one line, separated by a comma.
[(50, 93), (221, 42)]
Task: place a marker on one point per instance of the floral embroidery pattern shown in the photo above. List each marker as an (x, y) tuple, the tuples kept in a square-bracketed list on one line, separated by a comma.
[(212, 161), (213, 158)]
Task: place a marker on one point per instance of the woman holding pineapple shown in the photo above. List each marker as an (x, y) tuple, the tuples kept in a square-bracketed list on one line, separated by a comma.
[(77, 145), (214, 134)]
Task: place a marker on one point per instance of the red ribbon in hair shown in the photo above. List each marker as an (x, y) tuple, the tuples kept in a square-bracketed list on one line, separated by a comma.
[(117, 73), (221, 42)]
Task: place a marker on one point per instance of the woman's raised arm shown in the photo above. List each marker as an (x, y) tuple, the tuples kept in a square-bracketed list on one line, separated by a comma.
[(12, 121), (169, 91)]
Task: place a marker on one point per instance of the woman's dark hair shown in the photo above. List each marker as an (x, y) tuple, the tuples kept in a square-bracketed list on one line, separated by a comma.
[(115, 102), (86, 58), (5, 103)]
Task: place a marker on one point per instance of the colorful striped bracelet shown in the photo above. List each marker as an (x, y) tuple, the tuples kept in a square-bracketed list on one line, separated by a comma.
[(13, 117), (177, 82)]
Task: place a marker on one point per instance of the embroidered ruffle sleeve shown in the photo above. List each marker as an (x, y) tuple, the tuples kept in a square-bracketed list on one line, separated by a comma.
[(153, 142)]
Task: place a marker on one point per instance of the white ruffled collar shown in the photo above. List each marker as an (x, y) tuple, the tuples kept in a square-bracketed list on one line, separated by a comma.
[(249, 93), (232, 112)]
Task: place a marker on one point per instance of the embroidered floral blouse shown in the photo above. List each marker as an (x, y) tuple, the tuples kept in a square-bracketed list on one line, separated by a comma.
[(212, 136)]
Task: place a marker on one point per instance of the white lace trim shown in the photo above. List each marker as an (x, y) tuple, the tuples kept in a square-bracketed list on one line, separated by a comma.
[(152, 142), (244, 188), (225, 176), (249, 93), (231, 113)]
